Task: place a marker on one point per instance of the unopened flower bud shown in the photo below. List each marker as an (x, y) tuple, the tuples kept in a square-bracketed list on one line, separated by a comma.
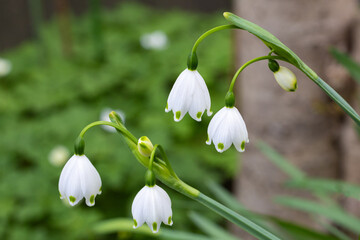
[(286, 79), (145, 147)]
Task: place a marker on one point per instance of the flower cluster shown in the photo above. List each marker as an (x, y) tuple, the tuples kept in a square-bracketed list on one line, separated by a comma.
[(79, 179), (190, 94)]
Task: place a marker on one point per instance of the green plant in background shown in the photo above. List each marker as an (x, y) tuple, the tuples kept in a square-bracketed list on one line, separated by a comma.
[(45, 100)]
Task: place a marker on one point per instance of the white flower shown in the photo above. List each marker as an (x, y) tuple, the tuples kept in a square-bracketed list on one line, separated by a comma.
[(189, 94), (58, 155), (153, 206), (286, 79), (104, 116), (227, 127), (5, 67), (79, 179), (156, 40)]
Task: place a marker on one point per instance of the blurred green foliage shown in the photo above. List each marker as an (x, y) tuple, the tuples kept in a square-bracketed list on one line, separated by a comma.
[(49, 97)]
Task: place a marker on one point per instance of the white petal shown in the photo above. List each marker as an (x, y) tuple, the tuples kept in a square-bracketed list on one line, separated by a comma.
[(137, 208), (205, 91), (90, 180), (165, 203)]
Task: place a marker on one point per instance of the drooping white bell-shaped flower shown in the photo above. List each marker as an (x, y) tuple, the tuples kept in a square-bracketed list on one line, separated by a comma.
[(286, 79), (153, 206), (189, 94), (79, 179), (227, 127)]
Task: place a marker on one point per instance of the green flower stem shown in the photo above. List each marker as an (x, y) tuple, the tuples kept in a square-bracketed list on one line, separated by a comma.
[(250, 62), (211, 31), (120, 128), (236, 218)]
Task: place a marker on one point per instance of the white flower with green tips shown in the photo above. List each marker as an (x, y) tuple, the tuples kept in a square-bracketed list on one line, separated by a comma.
[(286, 79), (227, 127), (79, 179), (153, 206), (189, 94)]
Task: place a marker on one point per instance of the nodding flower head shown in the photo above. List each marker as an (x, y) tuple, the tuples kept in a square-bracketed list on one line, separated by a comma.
[(153, 206), (227, 127), (79, 179), (189, 94)]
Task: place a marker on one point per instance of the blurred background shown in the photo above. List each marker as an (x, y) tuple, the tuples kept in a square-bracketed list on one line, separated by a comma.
[(65, 64)]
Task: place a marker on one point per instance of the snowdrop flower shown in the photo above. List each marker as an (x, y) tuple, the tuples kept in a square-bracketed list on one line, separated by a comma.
[(5, 67), (79, 179), (58, 155), (227, 127), (189, 94), (286, 79), (153, 206), (156, 40), (104, 116)]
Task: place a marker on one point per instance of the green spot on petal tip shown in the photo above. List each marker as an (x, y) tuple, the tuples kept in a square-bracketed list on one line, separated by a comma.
[(177, 115), (92, 199), (242, 145), (72, 199), (135, 223), (221, 146), (169, 220), (154, 225), (198, 115)]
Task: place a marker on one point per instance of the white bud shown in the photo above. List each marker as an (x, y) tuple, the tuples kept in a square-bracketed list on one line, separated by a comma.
[(286, 79), (145, 147)]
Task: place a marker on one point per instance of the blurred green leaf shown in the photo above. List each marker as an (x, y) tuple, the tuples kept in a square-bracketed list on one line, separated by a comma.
[(351, 65), (332, 213), (288, 168), (210, 228), (126, 225)]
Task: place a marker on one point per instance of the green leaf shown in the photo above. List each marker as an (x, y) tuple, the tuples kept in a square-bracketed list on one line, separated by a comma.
[(327, 186), (345, 60), (210, 228), (126, 225), (334, 214), (271, 41), (297, 232), (280, 161)]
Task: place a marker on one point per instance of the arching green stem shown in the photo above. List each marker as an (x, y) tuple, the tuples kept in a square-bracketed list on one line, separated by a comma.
[(211, 31), (250, 62), (120, 128)]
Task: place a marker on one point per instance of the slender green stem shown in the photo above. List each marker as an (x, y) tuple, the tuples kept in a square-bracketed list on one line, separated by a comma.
[(211, 31), (165, 158), (152, 157), (122, 129), (250, 62), (236, 218)]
